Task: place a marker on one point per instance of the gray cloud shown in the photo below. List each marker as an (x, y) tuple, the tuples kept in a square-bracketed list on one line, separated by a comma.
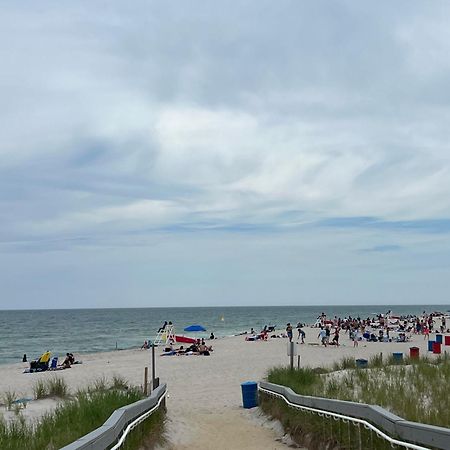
[(122, 122)]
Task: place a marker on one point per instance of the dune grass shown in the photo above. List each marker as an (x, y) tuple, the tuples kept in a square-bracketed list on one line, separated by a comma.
[(76, 416), (416, 389), (8, 399)]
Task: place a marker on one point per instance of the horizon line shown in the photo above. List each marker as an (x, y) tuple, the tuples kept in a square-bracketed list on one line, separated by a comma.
[(225, 306)]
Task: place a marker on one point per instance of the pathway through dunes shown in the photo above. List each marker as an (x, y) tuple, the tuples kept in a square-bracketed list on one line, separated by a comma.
[(226, 430)]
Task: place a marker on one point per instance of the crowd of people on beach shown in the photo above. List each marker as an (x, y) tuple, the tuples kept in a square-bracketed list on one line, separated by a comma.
[(380, 328)]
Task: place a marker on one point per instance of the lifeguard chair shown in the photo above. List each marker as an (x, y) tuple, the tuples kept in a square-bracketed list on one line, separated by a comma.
[(166, 336)]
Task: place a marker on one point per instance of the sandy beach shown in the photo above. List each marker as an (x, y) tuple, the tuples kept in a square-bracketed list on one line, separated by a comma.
[(204, 404)]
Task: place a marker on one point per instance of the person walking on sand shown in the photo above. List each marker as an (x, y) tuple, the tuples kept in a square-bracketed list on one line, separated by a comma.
[(336, 338), (301, 333), (323, 336), (289, 331)]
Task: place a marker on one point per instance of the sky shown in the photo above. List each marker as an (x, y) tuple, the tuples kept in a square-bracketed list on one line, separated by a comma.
[(190, 153)]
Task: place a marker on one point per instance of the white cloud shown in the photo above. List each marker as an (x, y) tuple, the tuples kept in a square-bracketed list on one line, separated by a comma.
[(128, 119)]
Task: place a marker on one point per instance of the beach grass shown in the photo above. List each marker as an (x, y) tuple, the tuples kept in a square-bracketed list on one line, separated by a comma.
[(52, 387), (8, 398), (75, 417), (415, 389), (40, 389)]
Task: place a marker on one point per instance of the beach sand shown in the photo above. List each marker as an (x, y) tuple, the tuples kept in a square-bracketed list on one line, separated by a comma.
[(204, 396)]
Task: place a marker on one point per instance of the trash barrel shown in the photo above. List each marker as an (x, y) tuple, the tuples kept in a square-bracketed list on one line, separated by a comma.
[(361, 363), (414, 352), (398, 357), (436, 347), (439, 338), (447, 340), (430, 346), (249, 394)]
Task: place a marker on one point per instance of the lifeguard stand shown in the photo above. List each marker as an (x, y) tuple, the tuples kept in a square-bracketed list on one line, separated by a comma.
[(166, 336)]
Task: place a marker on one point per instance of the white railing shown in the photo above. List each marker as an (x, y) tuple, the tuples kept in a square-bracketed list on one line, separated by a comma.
[(137, 421), (117, 428), (434, 437)]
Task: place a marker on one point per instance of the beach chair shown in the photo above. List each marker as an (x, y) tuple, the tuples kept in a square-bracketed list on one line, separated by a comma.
[(54, 363)]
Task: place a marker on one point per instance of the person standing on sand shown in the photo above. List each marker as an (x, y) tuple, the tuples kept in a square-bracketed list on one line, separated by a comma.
[(289, 331)]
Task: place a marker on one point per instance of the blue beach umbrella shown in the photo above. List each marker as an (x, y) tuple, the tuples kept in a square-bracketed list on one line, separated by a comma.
[(195, 328)]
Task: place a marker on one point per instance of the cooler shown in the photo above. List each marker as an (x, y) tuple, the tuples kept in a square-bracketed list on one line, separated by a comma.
[(436, 347)]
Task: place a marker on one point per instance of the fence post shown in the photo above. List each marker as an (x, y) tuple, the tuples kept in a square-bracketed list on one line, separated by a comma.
[(146, 381), (292, 354), (153, 366)]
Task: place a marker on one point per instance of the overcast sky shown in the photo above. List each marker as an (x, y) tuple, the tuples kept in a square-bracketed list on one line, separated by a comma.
[(224, 153)]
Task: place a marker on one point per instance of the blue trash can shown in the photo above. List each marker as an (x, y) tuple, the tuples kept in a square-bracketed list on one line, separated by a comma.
[(439, 338), (249, 394), (361, 363), (430, 346), (398, 357)]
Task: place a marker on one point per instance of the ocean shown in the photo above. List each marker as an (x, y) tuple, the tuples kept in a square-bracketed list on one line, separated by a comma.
[(97, 330)]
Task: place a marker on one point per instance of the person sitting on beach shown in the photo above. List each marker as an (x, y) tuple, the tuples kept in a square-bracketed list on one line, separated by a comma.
[(145, 345), (68, 361), (264, 335), (252, 331), (193, 348), (203, 350), (212, 336), (381, 336), (168, 348)]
